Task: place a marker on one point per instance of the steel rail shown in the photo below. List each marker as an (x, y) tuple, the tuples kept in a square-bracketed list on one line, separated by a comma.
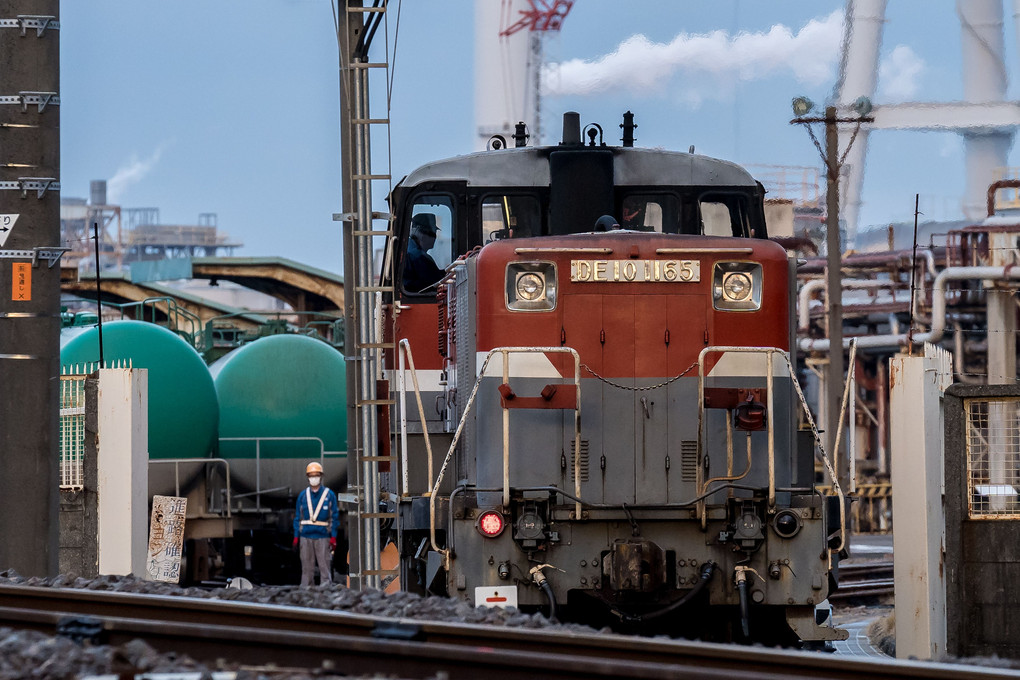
[(209, 630), (873, 579)]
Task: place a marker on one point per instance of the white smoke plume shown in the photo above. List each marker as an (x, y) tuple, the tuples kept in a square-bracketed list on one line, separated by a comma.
[(131, 173), (641, 65), (899, 74)]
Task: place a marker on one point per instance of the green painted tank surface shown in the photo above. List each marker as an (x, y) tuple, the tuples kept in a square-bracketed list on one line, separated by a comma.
[(282, 386), (183, 411)]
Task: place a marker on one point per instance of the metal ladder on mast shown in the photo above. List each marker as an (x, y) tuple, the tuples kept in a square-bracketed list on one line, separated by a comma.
[(357, 24)]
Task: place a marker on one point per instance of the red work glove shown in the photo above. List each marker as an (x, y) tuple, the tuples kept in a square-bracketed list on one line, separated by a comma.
[(295, 541), (332, 542)]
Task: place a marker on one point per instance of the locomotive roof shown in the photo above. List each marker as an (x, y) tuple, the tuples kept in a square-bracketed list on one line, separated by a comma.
[(529, 166)]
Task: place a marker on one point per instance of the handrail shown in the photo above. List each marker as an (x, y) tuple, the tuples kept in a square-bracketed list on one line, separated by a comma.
[(404, 347), (771, 351), (258, 457), (177, 471), (769, 384), (463, 419), (506, 352)]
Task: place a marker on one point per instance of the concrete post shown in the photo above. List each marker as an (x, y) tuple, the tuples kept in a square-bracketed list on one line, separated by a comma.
[(916, 388), (123, 461)]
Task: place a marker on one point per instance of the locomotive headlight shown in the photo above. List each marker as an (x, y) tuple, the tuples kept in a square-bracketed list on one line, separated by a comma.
[(737, 286), (531, 286)]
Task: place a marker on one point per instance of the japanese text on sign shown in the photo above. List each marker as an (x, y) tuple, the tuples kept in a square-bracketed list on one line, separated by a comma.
[(166, 538), (21, 288)]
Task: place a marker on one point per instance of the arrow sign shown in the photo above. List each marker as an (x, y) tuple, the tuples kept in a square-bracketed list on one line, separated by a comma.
[(6, 227)]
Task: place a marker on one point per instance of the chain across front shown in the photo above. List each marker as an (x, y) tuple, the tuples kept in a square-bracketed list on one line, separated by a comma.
[(639, 389)]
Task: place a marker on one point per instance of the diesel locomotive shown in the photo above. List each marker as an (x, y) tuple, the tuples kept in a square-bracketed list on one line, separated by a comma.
[(602, 421)]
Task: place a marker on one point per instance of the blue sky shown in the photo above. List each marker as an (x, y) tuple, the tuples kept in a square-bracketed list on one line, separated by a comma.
[(231, 106)]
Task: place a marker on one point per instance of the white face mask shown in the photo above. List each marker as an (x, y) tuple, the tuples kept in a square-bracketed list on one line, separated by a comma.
[(314, 480)]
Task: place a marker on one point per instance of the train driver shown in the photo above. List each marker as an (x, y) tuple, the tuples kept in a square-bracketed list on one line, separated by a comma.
[(420, 270), (315, 526)]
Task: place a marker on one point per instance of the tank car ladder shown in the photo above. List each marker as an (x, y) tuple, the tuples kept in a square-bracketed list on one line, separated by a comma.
[(356, 25)]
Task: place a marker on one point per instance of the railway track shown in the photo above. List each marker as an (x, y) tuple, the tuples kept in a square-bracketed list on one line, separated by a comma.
[(263, 635), (873, 579)]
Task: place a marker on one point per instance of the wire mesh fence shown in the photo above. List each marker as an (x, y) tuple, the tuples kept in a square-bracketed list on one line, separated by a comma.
[(993, 458)]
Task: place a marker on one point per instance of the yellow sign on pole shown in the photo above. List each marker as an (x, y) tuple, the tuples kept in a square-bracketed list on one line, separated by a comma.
[(21, 289), (166, 538)]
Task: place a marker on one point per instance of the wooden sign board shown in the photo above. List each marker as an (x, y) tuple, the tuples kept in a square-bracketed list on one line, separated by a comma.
[(166, 538)]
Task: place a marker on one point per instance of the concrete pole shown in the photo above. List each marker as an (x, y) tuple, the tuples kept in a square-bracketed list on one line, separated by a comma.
[(916, 435), (29, 292), (122, 488), (834, 294)]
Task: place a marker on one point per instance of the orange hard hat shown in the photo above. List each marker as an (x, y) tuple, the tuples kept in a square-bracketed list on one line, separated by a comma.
[(313, 469)]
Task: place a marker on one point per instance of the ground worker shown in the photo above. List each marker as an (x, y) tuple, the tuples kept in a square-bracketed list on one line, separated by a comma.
[(315, 525)]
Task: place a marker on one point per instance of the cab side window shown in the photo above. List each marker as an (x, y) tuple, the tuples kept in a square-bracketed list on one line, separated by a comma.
[(429, 246)]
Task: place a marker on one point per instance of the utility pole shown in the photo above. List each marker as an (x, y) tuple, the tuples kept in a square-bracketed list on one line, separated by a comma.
[(833, 261), (834, 296), (29, 285)]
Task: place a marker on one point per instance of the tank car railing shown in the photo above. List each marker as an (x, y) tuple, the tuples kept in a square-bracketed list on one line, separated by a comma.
[(176, 462), (258, 458), (506, 352)]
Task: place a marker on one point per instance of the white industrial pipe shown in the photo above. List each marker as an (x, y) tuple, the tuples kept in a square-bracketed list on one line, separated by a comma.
[(938, 311), (809, 288)]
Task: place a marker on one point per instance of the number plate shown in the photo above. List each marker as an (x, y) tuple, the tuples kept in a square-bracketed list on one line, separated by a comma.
[(635, 271)]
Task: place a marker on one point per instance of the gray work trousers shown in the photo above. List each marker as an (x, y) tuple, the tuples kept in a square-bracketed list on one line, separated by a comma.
[(315, 550)]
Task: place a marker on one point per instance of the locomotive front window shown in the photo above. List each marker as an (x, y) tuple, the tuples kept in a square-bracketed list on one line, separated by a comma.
[(650, 212), (505, 216), (429, 247), (723, 215)]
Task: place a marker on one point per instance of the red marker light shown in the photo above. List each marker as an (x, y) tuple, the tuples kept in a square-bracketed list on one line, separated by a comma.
[(490, 524)]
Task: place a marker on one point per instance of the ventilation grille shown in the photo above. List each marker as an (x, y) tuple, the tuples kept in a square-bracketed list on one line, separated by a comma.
[(688, 460), (584, 460)]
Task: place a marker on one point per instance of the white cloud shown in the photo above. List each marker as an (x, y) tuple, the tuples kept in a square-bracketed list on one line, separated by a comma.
[(899, 74), (641, 65), (131, 173)]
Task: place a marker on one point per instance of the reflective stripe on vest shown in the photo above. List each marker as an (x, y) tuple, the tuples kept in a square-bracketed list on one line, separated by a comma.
[(314, 514)]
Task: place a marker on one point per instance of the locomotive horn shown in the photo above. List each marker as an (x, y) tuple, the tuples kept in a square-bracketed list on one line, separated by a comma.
[(571, 129)]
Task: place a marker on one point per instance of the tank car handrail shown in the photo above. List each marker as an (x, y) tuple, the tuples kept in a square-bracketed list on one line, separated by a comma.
[(258, 457), (404, 348), (177, 472)]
